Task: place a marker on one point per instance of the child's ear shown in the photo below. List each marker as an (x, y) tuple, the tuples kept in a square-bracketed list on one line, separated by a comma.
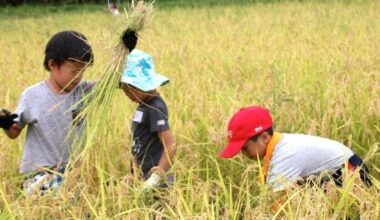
[(52, 65), (266, 137)]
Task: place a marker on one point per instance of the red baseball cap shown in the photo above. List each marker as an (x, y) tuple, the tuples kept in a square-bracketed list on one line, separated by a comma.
[(246, 123)]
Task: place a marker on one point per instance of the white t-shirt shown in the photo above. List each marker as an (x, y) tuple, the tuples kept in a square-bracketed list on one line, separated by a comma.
[(299, 155)]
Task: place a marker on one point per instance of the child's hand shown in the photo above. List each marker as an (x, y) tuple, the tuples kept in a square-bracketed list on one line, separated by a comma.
[(155, 178), (7, 119), (148, 188), (153, 181)]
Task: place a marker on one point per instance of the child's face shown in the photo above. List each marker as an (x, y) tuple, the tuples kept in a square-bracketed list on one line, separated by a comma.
[(133, 94), (256, 149), (68, 75)]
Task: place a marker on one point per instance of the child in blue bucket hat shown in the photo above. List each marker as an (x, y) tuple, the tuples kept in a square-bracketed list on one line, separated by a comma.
[(153, 143)]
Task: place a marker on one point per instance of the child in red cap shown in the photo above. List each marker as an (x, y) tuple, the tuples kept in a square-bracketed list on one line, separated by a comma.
[(288, 158)]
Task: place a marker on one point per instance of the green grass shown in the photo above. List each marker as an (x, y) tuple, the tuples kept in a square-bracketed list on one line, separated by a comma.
[(314, 63)]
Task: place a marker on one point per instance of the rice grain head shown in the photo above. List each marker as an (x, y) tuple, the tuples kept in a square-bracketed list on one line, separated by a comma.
[(98, 103)]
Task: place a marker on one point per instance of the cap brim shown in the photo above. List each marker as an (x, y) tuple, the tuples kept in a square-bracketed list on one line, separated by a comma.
[(147, 84), (232, 149)]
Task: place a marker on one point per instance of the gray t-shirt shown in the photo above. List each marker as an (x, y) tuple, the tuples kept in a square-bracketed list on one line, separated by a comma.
[(48, 117)]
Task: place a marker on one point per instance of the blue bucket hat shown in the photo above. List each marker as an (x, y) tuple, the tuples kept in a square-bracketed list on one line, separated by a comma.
[(139, 72)]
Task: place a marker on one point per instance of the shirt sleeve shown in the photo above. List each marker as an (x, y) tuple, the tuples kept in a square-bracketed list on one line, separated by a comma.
[(158, 119), (23, 111)]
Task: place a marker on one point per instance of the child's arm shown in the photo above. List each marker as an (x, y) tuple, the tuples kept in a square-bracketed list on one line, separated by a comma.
[(167, 140), (164, 164)]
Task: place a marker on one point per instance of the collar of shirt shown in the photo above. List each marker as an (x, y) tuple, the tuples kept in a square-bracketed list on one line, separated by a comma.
[(268, 155)]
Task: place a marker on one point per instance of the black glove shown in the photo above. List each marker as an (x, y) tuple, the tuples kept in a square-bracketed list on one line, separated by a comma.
[(129, 38), (7, 119)]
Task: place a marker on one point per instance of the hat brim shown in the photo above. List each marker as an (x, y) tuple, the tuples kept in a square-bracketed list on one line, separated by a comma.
[(232, 149), (154, 82)]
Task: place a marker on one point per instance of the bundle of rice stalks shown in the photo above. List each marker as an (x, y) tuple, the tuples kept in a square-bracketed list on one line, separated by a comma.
[(98, 103)]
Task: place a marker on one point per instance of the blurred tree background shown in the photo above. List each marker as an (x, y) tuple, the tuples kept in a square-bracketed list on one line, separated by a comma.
[(166, 2), (23, 2)]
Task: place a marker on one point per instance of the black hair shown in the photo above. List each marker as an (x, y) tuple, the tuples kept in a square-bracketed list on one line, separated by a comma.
[(67, 45), (269, 130)]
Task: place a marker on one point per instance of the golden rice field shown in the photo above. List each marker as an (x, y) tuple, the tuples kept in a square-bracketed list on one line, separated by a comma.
[(315, 64)]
